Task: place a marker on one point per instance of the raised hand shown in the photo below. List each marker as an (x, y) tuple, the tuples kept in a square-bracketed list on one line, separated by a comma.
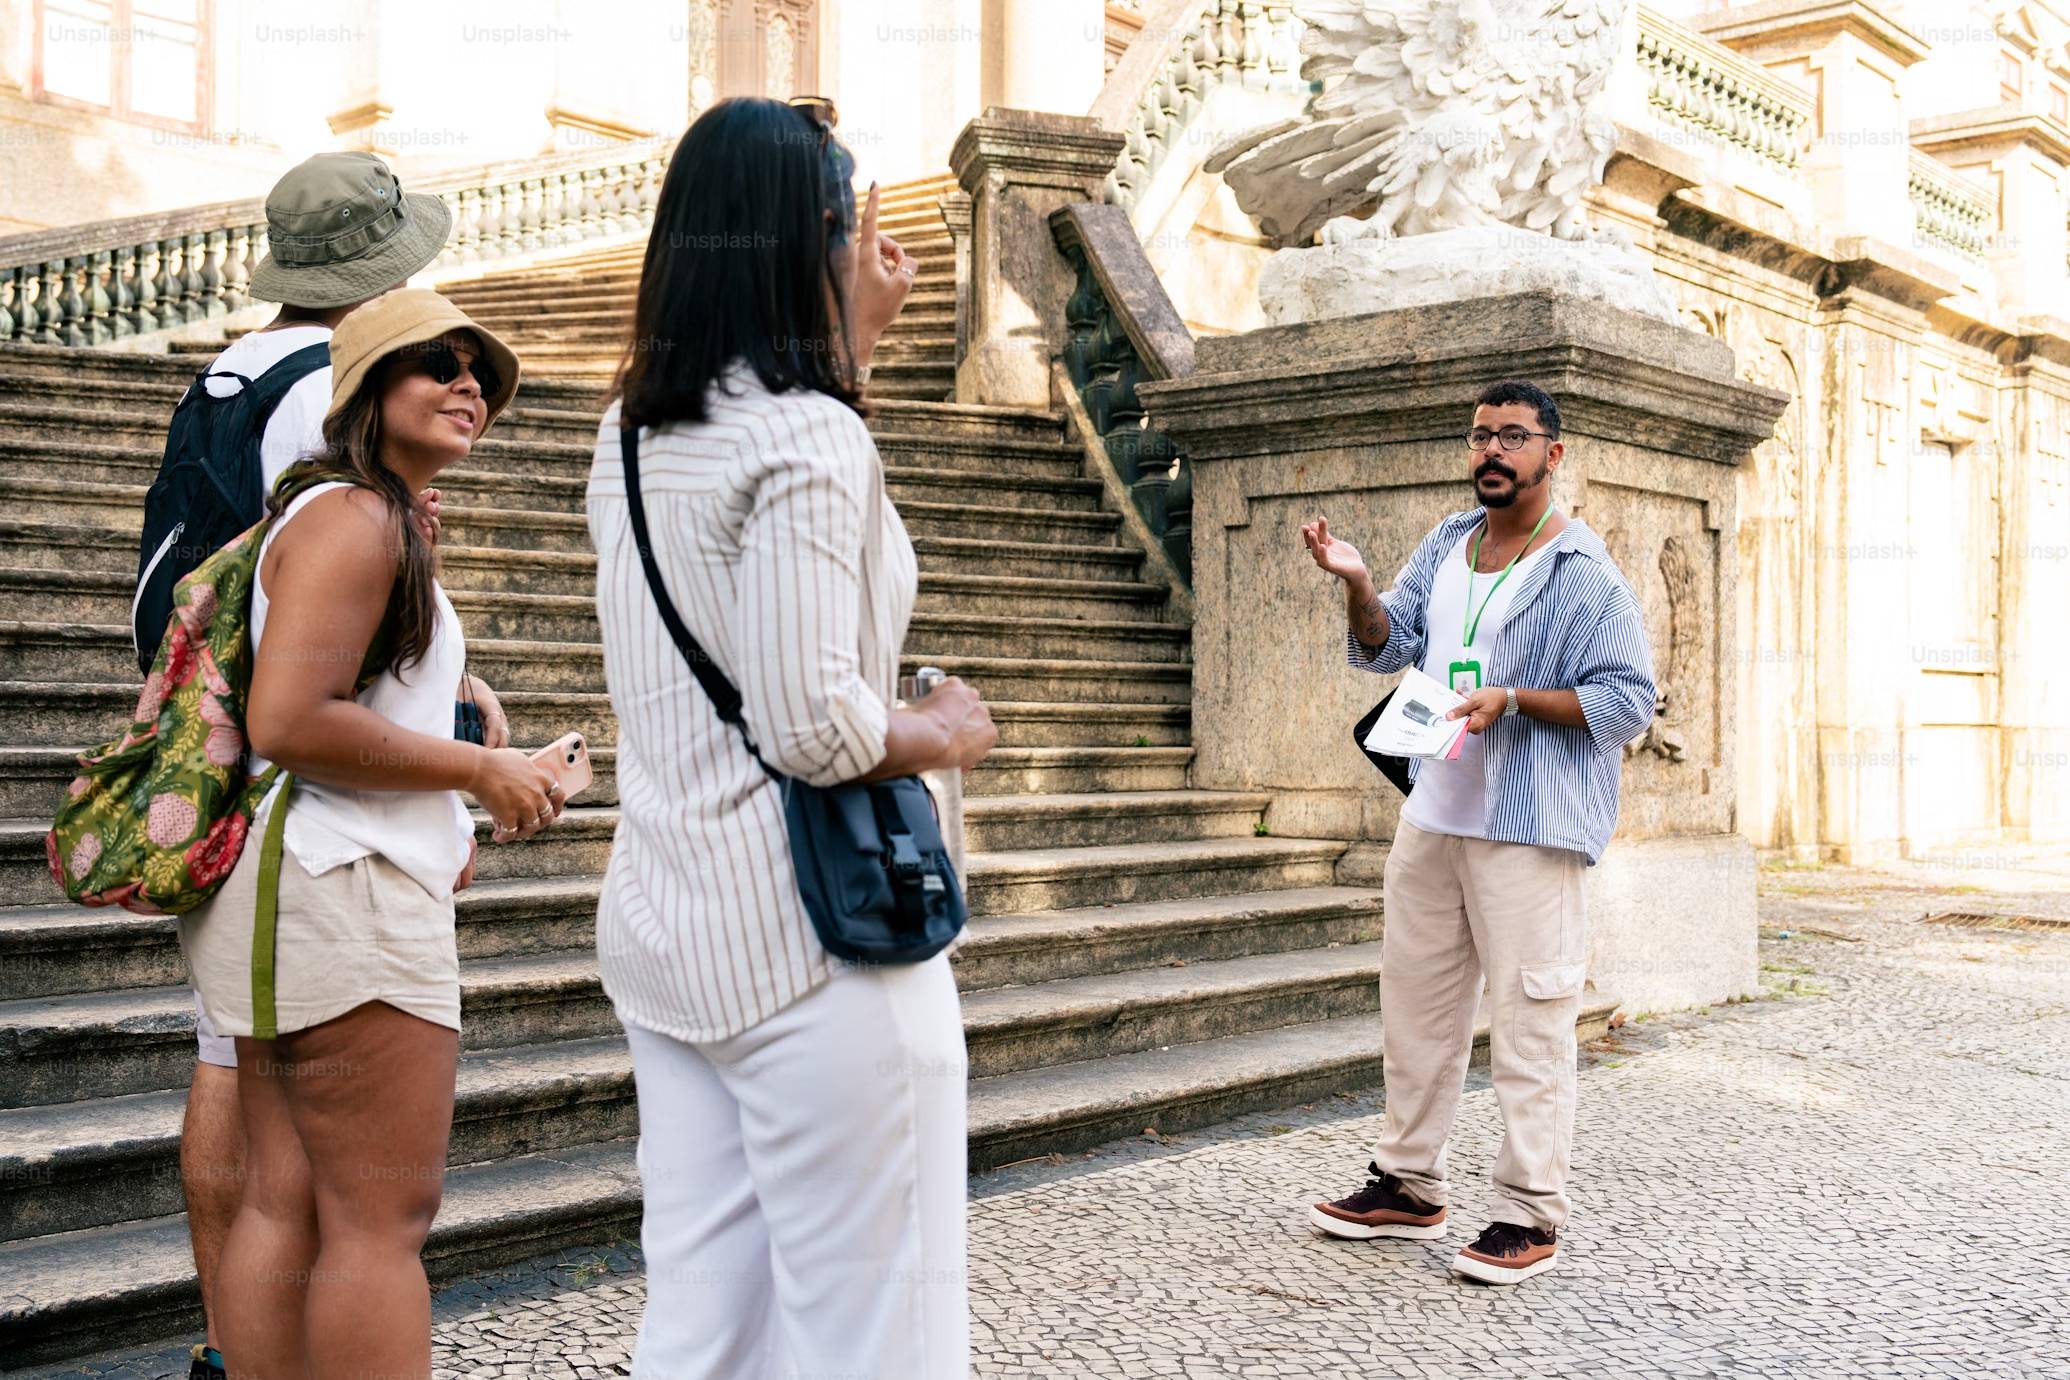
[(1333, 554)]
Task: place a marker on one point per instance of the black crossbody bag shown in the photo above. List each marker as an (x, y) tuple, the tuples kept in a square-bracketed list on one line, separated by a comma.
[(871, 864)]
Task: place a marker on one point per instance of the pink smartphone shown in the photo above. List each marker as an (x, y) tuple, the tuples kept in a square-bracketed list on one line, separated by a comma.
[(567, 760)]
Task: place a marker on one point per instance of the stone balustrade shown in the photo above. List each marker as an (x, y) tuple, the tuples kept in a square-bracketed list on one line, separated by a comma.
[(1122, 331), (105, 282), (1705, 87), (1947, 210), (1184, 51)]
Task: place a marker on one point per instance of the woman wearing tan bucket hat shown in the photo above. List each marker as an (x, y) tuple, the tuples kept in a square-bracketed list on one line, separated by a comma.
[(346, 1111)]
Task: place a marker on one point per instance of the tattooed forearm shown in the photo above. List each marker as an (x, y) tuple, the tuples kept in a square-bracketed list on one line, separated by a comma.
[(1367, 614)]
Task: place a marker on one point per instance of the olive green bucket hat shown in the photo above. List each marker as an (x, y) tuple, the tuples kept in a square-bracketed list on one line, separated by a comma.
[(340, 228)]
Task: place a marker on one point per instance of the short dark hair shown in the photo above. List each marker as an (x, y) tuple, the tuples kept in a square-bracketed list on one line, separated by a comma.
[(1530, 394), (737, 267)]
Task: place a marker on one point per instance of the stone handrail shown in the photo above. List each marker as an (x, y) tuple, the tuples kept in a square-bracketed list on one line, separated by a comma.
[(1123, 330), (1947, 210), (92, 284), (1186, 49), (1706, 87)]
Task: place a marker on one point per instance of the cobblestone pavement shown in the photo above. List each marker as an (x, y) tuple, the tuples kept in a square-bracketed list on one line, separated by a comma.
[(1865, 1174)]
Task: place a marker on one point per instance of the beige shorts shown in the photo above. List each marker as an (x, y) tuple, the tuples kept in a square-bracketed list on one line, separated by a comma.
[(361, 932)]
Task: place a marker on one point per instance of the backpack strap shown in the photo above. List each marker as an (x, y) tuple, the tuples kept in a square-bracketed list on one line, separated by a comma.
[(719, 690)]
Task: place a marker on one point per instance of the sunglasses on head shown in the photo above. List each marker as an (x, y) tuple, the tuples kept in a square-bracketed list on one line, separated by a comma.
[(443, 363), (837, 165)]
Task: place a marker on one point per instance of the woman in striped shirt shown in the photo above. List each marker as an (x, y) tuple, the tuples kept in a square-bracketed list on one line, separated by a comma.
[(801, 1121)]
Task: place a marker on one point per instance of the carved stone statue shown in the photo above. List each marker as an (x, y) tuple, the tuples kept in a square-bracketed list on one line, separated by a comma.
[(1485, 122)]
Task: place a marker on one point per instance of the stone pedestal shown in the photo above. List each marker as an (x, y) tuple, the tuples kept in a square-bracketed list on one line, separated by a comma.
[(1018, 167), (1361, 420)]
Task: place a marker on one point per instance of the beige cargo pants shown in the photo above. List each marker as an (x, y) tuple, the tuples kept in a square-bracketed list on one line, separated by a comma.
[(1460, 910)]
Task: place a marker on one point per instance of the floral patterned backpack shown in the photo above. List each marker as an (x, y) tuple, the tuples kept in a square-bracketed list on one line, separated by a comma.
[(156, 819)]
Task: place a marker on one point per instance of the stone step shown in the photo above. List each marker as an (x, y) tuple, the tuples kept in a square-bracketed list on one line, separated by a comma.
[(1037, 879), (554, 478), (87, 576), (134, 1281), (112, 1043), (56, 949), (579, 843), (1111, 1015), (1025, 950), (1022, 770), (549, 642), (1005, 823), (89, 1164), (38, 713), (1070, 1107), (143, 422)]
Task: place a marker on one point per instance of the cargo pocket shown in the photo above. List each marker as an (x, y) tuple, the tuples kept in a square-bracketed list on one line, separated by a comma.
[(1543, 1021)]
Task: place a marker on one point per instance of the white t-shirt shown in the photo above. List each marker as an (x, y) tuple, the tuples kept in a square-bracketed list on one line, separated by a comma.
[(296, 427), (1450, 797)]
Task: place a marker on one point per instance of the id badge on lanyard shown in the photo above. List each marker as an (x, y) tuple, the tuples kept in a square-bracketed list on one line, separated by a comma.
[(1465, 677)]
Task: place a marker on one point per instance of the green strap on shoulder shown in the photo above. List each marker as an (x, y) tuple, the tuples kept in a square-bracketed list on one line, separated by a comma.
[(265, 1019)]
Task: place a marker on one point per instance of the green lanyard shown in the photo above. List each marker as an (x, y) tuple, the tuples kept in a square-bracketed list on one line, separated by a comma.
[(1473, 560)]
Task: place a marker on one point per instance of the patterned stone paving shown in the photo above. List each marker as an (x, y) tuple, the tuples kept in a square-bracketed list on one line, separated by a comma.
[(1866, 1174)]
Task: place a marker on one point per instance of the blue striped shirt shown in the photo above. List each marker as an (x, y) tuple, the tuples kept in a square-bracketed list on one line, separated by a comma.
[(1574, 624)]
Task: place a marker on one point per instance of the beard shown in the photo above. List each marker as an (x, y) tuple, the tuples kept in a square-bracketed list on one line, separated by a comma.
[(1507, 497)]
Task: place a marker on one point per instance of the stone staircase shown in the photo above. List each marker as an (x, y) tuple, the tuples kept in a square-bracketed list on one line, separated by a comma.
[(1140, 954)]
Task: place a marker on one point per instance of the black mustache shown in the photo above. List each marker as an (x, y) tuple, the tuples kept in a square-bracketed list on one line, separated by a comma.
[(1488, 467)]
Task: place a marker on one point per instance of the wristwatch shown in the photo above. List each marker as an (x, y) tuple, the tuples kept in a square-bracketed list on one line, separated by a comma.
[(1511, 706)]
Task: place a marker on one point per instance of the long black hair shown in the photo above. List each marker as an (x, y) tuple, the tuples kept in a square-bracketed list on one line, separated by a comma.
[(737, 265)]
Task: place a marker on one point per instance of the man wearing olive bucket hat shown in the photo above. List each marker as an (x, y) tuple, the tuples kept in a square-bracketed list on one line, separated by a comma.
[(340, 232)]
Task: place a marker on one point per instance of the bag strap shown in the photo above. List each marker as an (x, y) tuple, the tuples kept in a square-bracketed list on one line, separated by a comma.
[(265, 920), (719, 690)]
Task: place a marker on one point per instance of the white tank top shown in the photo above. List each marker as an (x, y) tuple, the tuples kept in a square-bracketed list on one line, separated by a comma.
[(425, 833)]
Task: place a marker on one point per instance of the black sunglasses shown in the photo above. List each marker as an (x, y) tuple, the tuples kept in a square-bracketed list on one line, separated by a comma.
[(440, 360)]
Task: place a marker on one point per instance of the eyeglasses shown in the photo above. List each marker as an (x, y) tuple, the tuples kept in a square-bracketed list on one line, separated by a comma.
[(444, 364), (1512, 437)]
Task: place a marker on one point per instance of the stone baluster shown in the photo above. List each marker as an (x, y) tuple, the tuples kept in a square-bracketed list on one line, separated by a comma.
[(144, 314), (592, 216), (528, 216), (1229, 41), (237, 269), (489, 243), (193, 284), (513, 219), (467, 230), (94, 292), (169, 312), (571, 206), (1256, 73), (551, 235), (10, 303), (609, 204), (72, 300), (122, 294), (650, 190), (214, 246)]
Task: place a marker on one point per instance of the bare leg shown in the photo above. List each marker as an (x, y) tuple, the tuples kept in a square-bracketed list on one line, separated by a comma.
[(262, 1281), (372, 1101), (211, 1173)]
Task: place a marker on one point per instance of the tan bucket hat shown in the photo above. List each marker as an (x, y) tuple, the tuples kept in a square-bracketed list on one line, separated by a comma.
[(405, 317), (340, 228)]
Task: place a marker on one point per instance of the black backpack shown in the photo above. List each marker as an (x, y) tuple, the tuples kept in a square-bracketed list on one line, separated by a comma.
[(209, 485)]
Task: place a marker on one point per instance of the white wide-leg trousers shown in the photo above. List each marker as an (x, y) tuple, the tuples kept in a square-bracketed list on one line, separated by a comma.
[(804, 1185)]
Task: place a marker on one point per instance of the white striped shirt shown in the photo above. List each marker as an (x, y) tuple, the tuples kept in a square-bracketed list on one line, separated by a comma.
[(756, 519), (1573, 624)]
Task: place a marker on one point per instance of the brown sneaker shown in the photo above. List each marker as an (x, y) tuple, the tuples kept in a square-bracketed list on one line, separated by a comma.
[(1381, 1208), (1505, 1253)]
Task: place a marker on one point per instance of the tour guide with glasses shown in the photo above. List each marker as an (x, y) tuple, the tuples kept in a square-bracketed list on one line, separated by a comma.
[(1526, 616)]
